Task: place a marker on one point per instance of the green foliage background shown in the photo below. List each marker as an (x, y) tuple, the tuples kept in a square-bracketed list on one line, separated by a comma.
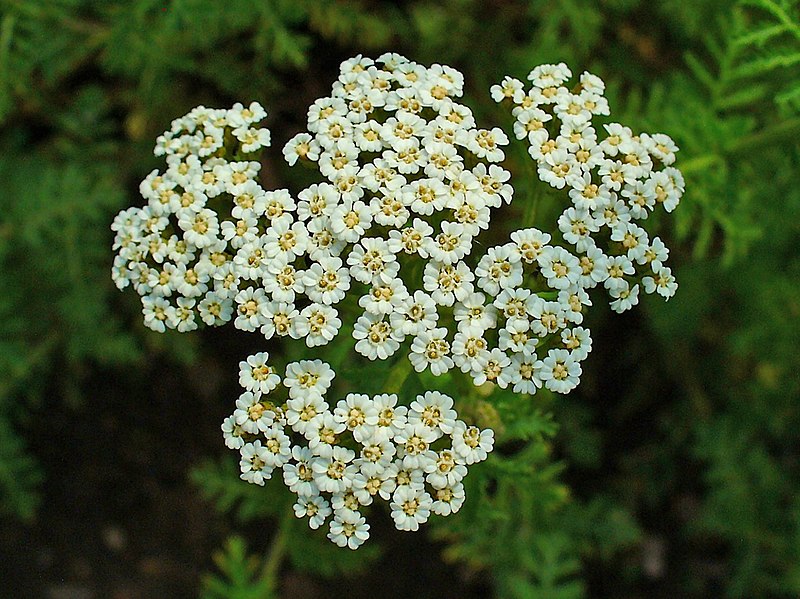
[(673, 471)]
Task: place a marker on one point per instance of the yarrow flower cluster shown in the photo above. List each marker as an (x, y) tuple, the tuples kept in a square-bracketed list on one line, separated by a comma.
[(389, 235), (187, 251), (340, 459), (613, 183)]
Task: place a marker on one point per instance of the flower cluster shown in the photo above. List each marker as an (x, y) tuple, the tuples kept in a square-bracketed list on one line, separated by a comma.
[(340, 459), (394, 146), (388, 235), (187, 250), (409, 179), (613, 183)]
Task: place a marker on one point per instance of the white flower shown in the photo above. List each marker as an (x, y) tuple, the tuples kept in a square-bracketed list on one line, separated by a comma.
[(301, 146), (546, 317), (434, 410), (201, 228), (577, 226), (448, 471), (559, 371), (308, 377), (280, 318), (516, 303), (663, 282), (302, 411), (492, 365), (285, 238), (327, 281), (240, 115), (349, 529), (430, 348), (572, 303), (251, 259), (500, 268), (486, 144), (451, 245), (182, 315), (349, 221), (282, 281), (408, 476), (578, 341), (315, 508), (417, 313), (548, 75), (471, 444), (521, 374), (424, 196), (299, 476), (384, 298), (252, 414), (655, 254), (318, 324), (414, 442), (660, 146), (594, 268), (366, 486), (410, 507), (469, 351), (530, 243), (518, 337), (508, 88), (189, 282), (155, 312), (376, 338), (372, 261), (447, 282), (473, 315), (253, 464), (251, 310), (625, 297), (617, 267), (232, 433), (448, 500), (334, 474), (278, 447), (391, 417), (633, 240), (347, 502), (359, 413), (411, 239), (561, 268), (256, 375), (252, 138)]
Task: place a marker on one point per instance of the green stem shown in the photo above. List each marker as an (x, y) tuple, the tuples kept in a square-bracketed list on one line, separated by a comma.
[(397, 376), (277, 551)]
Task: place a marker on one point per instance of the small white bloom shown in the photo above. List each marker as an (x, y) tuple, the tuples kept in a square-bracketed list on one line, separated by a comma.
[(410, 507), (431, 349), (256, 375), (470, 444)]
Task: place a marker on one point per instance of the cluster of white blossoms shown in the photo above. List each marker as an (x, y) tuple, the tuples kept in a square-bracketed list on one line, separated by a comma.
[(404, 206), (188, 250), (613, 183), (340, 459), (408, 182)]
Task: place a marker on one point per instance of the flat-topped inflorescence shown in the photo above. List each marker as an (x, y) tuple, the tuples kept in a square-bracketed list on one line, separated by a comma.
[(614, 183), (386, 242), (340, 459)]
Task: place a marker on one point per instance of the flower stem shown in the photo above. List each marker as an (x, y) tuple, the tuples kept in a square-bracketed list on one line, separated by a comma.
[(397, 376), (277, 551)]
